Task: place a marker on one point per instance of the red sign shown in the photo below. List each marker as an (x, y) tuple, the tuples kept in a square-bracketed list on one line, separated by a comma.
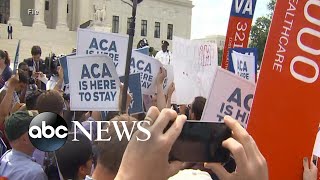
[(239, 27), (286, 112)]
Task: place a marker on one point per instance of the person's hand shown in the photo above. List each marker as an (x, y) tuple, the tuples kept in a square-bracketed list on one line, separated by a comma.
[(60, 72), (251, 165), (309, 173), (161, 76), (145, 160), (39, 75), (171, 89), (129, 98), (13, 82)]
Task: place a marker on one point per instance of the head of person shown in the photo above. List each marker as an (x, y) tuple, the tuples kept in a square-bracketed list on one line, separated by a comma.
[(23, 82), (16, 130), (36, 53), (164, 46), (75, 157), (50, 101), (110, 153), (31, 99), (23, 67), (197, 107), (4, 59)]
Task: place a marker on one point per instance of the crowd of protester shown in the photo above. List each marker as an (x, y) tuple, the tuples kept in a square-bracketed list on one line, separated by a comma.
[(35, 88)]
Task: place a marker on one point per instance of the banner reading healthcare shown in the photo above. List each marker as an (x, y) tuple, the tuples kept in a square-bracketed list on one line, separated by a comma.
[(148, 68), (194, 67), (244, 64), (136, 104), (239, 27), (233, 98), (114, 45), (285, 112), (94, 83)]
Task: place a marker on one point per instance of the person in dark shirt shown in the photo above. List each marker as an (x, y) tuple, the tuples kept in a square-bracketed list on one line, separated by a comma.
[(10, 31), (5, 70)]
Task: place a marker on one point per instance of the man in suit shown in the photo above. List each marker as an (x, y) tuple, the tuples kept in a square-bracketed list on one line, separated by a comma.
[(10, 31), (36, 65)]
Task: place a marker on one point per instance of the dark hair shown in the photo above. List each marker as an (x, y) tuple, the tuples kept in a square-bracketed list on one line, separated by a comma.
[(4, 55), (198, 106), (35, 50), (22, 64), (50, 101), (23, 78), (31, 99), (110, 153), (73, 154)]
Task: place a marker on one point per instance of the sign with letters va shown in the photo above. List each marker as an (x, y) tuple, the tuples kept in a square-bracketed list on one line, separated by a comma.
[(243, 62), (94, 83), (239, 27), (194, 67), (148, 68), (114, 45), (233, 98), (136, 104), (285, 113)]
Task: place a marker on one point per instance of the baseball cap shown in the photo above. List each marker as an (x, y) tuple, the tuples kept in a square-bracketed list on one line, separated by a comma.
[(18, 123)]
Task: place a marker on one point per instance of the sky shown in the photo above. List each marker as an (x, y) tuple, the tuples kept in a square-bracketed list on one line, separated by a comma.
[(211, 17)]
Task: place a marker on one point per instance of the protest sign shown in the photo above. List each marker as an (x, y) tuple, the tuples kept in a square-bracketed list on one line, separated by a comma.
[(239, 27), (144, 50), (114, 45), (169, 79), (148, 68), (285, 112), (233, 98), (194, 66), (64, 65), (136, 104), (244, 64), (93, 82)]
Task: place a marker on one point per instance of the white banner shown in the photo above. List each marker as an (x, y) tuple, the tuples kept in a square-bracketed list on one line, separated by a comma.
[(94, 83), (244, 65), (229, 95), (194, 63), (148, 68), (114, 45)]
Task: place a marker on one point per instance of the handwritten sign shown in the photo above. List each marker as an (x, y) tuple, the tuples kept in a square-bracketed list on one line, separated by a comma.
[(94, 83)]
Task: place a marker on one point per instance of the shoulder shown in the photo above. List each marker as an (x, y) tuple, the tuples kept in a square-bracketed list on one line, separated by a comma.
[(7, 73), (35, 171)]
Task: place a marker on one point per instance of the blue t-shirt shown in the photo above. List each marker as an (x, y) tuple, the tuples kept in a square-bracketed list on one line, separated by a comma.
[(5, 76)]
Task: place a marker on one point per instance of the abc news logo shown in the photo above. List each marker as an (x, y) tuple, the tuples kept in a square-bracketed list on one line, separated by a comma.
[(48, 131)]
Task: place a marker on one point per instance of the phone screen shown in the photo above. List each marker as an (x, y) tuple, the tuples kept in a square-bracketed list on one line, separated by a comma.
[(201, 142)]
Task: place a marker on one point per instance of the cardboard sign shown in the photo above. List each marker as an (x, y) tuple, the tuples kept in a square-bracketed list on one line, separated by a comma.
[(285, 113), (136, 104), (244, 64), (114, 45), (148, 68), (233, 98), (64, 65), (194, 67), (94, 83), (144, 50), (239, 27)]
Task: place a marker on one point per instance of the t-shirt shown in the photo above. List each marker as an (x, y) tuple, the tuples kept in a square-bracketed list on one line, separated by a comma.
[(5, 76), (164, 57)]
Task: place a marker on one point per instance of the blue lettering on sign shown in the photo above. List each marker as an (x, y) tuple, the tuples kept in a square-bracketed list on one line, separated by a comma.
[(102, 45), (95, 71), (140, 65), (243, 8)]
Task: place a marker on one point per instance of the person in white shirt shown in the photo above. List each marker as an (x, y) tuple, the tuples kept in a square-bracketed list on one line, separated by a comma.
[(164, 56)]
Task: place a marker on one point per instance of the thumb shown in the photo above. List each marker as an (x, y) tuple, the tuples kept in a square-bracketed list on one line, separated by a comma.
[(174, 168), (305, 163), (218, 169)]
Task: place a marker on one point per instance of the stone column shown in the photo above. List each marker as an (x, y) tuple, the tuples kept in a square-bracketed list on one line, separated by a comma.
[(38, 20), (15, 19), (62, 15)]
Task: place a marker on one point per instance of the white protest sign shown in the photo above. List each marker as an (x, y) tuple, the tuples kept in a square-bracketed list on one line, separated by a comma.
[(194, 64), (148, 68), (229, 95), (169, 79), (94, 83), (244, 65), (114, 45), (316, 150)]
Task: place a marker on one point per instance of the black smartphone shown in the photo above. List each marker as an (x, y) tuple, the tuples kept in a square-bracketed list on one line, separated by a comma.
[(201, 142), (315, 160)]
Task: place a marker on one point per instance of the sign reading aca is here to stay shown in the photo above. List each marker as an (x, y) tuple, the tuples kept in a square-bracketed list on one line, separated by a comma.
[(229, 95)]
